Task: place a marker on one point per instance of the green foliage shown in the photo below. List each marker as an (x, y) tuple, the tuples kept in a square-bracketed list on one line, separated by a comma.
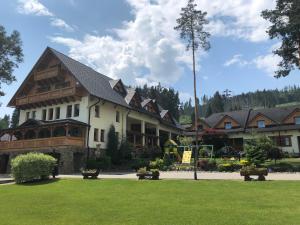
[(138, 163), (125, 150), (184, 140), (112, 146), (157, 164), (257, 149), (142, 170), (15, 118), (4, 122), (285, 25), (207, 164), (229, 167), (168, 98), (275, 154), (102, 163), (10, 56), (32, 166)]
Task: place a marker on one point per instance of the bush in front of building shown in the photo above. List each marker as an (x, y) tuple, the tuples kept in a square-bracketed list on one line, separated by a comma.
[(32, 166), (102, 163), (257, 150)]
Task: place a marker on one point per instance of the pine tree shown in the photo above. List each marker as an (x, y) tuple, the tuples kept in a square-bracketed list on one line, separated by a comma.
[(285, 20), (15, 118), (191, 26), (112, 149)]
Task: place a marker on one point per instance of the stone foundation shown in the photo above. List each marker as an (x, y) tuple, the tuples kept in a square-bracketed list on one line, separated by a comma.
[(70, 159)]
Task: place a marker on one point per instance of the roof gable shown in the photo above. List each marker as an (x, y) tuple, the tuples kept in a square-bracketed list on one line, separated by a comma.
[(260, 116), (225, 119)]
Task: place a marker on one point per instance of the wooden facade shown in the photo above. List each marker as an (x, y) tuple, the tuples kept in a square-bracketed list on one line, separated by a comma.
[(261, 117)]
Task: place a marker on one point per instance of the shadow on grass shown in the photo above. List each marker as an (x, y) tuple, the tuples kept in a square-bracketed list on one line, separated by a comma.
[(40, 182)]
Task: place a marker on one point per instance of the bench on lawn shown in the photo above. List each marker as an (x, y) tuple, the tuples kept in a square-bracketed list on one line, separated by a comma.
[(92, 174), (260, 172), (148, 175)]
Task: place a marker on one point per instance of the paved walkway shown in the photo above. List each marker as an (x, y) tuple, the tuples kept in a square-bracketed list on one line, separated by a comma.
[(190, 175), (182, 175)]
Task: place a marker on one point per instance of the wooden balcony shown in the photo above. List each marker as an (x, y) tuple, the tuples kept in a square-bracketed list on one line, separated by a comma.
[(42, 143), (47, 74), (46, 96)]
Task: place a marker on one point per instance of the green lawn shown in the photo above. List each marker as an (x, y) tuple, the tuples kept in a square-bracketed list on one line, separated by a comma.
[(151, 202)]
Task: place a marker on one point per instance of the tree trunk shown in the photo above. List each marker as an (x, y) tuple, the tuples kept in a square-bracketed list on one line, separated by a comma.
[(196, 111)]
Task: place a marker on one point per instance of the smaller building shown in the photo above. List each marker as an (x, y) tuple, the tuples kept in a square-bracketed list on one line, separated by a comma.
[(281, 124)]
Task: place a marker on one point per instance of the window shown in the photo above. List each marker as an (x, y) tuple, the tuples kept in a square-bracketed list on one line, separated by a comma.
[(69, 111), (33, 114), (96, 134), (283, 141), (117, 116), (50, 114), (27, 115), (57, 113), (261, 124), (76, 110), (97, 111), (228, 125), (44, 114), (102, 135), (297, 120)]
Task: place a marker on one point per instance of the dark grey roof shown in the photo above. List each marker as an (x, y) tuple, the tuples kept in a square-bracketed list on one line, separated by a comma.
[(238, 116), (94, 82), (275, 114)]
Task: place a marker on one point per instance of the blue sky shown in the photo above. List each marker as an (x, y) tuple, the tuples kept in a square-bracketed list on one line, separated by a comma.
[(134, 40)]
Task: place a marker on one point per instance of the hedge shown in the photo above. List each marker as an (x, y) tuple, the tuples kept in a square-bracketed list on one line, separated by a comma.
[(32, 166)]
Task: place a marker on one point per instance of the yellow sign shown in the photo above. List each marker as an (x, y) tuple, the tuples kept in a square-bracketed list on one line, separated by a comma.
[(187, 155)]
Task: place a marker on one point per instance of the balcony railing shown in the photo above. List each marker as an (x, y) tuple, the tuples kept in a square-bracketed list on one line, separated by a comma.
[(46, 74), (41, 143), (64, 92)]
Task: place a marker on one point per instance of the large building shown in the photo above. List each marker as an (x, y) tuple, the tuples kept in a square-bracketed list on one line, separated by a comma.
[(67, 108), (281, 124)]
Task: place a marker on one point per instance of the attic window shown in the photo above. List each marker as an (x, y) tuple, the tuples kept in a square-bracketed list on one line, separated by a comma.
[(227, 125), (261, 124), (297, 120), (119, 88)]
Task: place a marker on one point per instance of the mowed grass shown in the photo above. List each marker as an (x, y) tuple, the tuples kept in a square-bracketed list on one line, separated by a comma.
[(76, 201)]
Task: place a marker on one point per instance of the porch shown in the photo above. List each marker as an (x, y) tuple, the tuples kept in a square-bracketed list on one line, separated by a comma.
[(35, 135), (144, 134)]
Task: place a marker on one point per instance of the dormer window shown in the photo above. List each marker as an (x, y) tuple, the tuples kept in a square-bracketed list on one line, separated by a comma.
[(261, 124), (297, 120), (227, 125)]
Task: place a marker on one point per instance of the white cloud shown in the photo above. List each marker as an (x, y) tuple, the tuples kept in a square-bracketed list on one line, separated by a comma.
[(268, 63), (34, 7), (56, 22), (147, 49), (237, 18), (236, 60), (185, 96)]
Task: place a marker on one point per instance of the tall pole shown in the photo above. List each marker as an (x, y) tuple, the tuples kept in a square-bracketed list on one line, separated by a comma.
[(196, 108)]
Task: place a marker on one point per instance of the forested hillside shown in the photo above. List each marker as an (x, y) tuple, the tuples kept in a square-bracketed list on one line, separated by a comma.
[(259, 99)]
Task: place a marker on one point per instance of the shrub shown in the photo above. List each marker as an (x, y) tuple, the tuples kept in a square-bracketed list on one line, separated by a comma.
[(125, 150), (32, 166), (155, 174), (283, 167), (244, 162), (256, 150), (138, 163), (101, 163), (275, 154), (157, 164), (229, 167)]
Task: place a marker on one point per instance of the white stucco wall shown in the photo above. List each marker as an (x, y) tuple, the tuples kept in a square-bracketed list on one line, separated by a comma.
[(293, 133), (83, 111), (106, 119)]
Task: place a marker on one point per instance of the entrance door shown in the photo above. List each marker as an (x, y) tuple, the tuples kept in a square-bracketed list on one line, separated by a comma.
[(298, 138), (3, 163)]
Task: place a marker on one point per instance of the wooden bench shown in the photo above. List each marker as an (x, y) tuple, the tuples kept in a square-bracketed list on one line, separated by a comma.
[(260, 172), (92, 174)]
